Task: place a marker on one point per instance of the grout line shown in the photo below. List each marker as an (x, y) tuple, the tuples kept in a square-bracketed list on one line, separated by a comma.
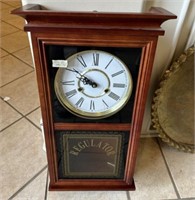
[(19, 30), (39, 128), (11, 124), (23, 116), (17, 79), (7, 4), (12, 54), (21, 48), (169, 172), (18, 110), (3, 20), (16, 50), (27, 183), (21, 59), (8, 33)]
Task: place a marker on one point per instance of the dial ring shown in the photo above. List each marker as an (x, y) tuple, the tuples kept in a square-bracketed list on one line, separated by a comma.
[(102, 91)]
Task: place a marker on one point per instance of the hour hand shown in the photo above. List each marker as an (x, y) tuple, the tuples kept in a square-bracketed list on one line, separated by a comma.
[(86, 81), (83, 78)]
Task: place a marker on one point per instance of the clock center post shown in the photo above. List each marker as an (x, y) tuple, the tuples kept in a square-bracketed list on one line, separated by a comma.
[(97, 76)]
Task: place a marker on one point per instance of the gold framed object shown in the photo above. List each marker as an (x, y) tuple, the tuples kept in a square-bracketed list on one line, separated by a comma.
[(173, 104)]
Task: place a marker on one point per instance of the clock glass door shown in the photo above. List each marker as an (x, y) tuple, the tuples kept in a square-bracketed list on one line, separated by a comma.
[(91, 154), (107, 96)]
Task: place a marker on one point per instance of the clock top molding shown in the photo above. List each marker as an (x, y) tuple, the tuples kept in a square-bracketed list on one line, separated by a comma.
[(41, 20)]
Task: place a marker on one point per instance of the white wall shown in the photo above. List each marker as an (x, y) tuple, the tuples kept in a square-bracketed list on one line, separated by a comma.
[(170, 46), (90, 5)]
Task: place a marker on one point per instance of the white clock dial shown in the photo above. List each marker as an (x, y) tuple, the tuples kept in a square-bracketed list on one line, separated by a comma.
[(94, 84)]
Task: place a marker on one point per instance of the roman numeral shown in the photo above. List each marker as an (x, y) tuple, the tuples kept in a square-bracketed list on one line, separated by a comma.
[(81, 60), (80, 102), (119, 85), (109, 63), (105, 103), (71, 93), (96, 59), (117, 73), (68, 82), (114, 96), (92, 105)]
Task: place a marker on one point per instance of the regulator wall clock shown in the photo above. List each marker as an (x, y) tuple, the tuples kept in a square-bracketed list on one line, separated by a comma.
[(93, 71)]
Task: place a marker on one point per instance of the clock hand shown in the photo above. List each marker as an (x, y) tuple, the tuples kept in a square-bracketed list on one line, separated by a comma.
[(86, 81), (83, 78)]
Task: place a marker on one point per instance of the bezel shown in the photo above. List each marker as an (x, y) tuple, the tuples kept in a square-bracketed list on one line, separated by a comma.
[(93, 115)]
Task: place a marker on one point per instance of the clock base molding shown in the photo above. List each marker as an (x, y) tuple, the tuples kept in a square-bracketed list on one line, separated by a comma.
[(93, 71), (86, 185)]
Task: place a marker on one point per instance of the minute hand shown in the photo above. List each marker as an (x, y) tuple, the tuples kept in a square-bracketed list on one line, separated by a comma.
[(83, 78)]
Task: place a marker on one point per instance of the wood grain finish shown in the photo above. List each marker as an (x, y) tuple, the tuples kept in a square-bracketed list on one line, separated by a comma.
[(132, 30)]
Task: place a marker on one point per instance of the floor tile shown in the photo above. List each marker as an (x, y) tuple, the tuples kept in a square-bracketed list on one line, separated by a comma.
[(17, 22), (23, 93), (12, 68), (5, 14), (4, 6), (35, 117), (88, 195), (21, 156), (3, 53), (12, 19), (14, 42), (151, 177), (35, 190), (25, 55), (13, 3), (7, 29), (182, 167), (8, 115)]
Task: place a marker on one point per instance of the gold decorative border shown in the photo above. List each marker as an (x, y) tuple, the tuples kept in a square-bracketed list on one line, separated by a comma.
[(95, 175), (155, 120)]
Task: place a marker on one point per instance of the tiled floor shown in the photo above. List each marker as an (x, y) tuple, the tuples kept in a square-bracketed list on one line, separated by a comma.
[(161, 172)]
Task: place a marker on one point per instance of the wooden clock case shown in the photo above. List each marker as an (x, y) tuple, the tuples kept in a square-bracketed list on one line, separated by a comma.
[(52, 30)]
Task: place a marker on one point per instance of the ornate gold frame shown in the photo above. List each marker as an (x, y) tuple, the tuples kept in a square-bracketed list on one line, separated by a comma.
[(155, 117)]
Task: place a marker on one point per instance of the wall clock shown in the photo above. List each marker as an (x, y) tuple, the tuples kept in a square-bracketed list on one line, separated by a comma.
[(93, 84), (93, 71)]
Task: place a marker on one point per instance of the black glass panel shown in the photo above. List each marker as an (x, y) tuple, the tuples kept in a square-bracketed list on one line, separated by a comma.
[(130, 56), (91, 154)]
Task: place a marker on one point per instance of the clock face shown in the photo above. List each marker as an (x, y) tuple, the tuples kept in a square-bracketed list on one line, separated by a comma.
[(93, 84)]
